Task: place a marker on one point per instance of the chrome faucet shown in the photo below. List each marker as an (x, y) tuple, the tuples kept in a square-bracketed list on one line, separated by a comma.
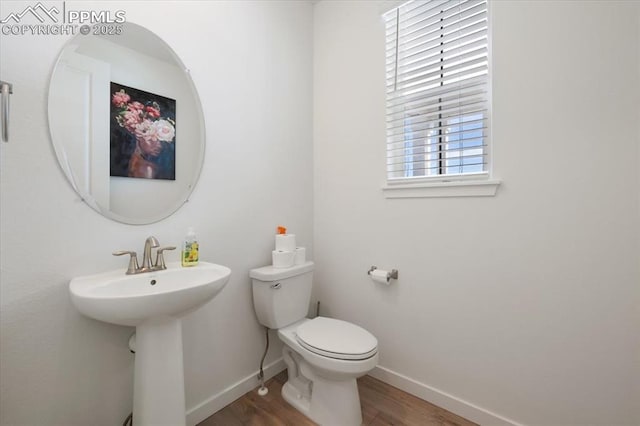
[(147, 266)]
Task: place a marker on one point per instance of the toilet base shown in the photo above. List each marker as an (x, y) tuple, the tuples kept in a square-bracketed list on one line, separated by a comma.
[(326, 402), (337, 404)]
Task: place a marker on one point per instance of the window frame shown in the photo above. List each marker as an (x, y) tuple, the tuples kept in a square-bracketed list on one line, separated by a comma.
[(476, 184)]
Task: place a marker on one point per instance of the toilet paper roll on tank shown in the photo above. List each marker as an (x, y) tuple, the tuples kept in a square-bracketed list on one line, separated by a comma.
[(283, 259), (286, 242), (286, 253)]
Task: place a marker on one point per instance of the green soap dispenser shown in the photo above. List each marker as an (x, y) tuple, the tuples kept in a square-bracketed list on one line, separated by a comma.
[(190, 249)]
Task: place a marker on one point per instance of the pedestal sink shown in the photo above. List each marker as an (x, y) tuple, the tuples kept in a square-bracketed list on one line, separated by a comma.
[(153, 302)]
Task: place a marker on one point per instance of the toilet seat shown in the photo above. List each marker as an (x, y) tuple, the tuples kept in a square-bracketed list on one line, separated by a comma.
[(336, 339)]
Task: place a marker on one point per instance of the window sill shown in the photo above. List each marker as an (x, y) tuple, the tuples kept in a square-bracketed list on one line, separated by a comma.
[(461, 188)]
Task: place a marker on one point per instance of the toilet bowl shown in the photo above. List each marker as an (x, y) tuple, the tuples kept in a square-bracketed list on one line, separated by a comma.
[(322, 382), (324, 356)]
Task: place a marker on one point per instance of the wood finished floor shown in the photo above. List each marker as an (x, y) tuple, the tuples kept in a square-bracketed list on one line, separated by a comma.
[(382, 405)]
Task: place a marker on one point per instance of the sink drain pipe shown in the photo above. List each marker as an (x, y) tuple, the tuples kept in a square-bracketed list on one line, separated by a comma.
[(263, 389)]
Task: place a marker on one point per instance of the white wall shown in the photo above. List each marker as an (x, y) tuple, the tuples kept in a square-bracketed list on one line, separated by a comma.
[(251, 62), (524, 305)]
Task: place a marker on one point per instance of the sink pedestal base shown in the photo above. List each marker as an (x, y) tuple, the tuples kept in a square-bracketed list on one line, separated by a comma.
[(158, 390)]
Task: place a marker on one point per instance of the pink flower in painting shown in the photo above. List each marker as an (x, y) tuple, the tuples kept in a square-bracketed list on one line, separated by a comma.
[(164, 130), (153, 112), (147, 138), (130, 119), (145, 130), (120, 99), (135, 106)]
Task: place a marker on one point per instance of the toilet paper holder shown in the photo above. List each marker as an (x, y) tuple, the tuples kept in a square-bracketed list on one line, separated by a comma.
[(390, 275)]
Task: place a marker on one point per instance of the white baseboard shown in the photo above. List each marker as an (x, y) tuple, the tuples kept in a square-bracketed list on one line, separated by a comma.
[(441, 399), (225, 397)]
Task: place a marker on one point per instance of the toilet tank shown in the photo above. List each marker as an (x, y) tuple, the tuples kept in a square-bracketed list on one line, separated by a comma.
[(281, 295)]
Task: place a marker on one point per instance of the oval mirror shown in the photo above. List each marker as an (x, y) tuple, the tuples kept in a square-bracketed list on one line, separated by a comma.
[(126, 124)]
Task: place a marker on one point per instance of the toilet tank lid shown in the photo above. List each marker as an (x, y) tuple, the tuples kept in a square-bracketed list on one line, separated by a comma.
[(269, 273)]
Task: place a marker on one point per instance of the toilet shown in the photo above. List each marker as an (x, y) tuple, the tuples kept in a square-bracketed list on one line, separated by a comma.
[(324, 356)]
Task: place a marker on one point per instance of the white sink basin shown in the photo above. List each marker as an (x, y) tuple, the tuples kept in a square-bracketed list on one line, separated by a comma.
[(132, 299), (153, 302)]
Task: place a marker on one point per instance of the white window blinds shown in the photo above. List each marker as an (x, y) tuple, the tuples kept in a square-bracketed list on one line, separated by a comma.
[(437, 70)]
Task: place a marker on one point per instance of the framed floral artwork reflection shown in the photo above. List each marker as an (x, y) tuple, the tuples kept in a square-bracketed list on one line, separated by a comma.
[(143, 134)]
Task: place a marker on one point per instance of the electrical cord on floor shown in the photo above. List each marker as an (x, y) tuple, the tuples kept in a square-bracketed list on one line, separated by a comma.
[(128, 421), (263, 389)]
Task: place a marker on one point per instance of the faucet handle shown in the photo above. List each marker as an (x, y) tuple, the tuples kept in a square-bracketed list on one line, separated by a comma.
[(160, 257), (133, 260)]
